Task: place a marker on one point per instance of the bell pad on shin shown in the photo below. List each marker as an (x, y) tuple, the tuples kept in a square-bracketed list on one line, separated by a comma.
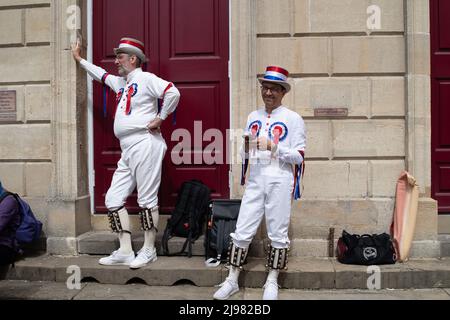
[(277, 258), (147, 220), (114, 221), (237, 255)]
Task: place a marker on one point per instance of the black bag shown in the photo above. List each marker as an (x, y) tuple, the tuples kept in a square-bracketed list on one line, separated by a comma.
[(365, 249), (221, 223), (188, 218)]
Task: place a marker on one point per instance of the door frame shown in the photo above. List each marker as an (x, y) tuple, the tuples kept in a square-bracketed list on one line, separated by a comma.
[(90, 105), (90, 101)]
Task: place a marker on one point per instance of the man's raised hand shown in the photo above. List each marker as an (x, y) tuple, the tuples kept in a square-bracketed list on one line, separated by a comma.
[(76, 50)]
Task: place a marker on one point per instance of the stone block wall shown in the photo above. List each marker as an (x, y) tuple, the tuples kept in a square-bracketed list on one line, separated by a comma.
[(26, 64), (335, 61)]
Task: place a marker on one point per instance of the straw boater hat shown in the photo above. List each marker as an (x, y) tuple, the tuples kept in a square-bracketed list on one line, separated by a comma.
[(132, 46), (276, 75)]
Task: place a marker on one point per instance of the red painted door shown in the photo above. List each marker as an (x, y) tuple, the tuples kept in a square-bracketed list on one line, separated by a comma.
[(187, 43), (440, 101)]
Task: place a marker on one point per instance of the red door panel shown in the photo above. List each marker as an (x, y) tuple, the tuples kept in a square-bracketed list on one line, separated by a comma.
[(194, 48), (193, 36), (440, 101), (114, 28), (187, 43)]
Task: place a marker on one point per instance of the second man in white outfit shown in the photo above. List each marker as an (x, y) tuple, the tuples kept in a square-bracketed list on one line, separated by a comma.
[(274, 150)]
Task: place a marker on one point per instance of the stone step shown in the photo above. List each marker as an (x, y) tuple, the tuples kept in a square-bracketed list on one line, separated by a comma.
[(104, 242), (50, 290), (303, 273), (445, 244), (37, 246)]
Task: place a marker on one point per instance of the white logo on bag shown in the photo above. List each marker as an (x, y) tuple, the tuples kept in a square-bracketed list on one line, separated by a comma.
[(369, 253)]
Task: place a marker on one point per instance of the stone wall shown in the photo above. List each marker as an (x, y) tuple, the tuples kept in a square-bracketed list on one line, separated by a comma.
[(43, 155), (336, 62), (25, 61)]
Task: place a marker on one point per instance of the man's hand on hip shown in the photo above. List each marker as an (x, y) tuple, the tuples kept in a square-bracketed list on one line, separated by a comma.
[(155, 125)]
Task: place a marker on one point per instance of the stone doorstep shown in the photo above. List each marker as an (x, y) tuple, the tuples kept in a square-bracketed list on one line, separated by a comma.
[(105, 242), (445, 244), (303, 273)]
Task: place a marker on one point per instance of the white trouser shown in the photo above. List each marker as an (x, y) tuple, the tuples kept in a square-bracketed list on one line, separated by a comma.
[(270, 195), (140, 165)]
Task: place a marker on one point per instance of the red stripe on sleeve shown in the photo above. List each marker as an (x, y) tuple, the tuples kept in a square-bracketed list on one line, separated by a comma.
[(167, 89)]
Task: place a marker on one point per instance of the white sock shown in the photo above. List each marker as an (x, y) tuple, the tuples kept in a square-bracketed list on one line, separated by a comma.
[(125, 237), (273, 275), (234, 273), (149, 239), (150, 235)]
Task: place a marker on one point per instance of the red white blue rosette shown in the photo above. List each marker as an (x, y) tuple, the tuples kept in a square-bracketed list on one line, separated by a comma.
[(278, 130)]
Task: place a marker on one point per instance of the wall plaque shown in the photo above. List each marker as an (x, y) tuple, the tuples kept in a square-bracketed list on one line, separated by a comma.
[(331, 112), (8, 107)]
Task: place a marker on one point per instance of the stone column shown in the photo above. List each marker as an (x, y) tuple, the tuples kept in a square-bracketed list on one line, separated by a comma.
[(243, 77), (69, 213)]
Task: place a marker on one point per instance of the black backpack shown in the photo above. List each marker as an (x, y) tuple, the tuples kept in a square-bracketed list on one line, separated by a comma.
[(222, 221), (188, 217)]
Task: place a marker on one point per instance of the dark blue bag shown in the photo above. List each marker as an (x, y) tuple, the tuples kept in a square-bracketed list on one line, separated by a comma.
[(30, 228)]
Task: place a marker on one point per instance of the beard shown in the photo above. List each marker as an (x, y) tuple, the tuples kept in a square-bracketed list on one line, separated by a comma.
[(123, 71)]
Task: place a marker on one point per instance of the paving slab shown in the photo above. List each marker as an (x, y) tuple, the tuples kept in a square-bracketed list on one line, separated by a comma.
[(37, 290), (411, 294), (94, 291), (25, 290)]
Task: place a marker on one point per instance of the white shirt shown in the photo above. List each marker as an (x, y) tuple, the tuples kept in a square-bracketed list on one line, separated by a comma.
[(283, 125), (146, 89)]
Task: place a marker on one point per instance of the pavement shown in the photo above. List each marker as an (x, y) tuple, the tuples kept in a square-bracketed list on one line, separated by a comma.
[(50, 290), (178, 279)]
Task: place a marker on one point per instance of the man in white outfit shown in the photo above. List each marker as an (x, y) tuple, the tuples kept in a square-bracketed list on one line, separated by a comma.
[(275, 142), (137, 126)]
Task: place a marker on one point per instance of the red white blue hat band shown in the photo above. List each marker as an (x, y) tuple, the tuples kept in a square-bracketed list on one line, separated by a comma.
[(276, 75), (132, 46)]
